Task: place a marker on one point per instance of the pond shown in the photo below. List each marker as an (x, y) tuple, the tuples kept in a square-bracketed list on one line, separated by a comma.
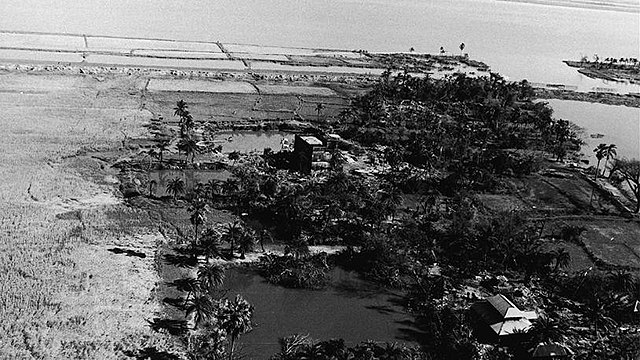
[(252, 141), (351, 309)]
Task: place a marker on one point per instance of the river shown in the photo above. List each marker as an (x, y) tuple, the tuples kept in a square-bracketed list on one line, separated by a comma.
[(518, 40), (618, 125)]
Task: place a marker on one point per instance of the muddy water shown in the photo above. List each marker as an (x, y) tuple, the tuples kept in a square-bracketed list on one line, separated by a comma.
[(351, 309), (516, 39), (620, 125)]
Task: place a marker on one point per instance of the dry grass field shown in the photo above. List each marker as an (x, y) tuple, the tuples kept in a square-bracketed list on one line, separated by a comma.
[(63, 293)]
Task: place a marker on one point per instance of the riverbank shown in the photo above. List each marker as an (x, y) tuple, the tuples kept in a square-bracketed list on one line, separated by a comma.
[(628, 100), (610, 5), (617, 70)]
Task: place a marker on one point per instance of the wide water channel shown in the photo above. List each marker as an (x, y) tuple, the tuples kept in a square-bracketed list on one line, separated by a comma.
[(618, 125), (519, 40)]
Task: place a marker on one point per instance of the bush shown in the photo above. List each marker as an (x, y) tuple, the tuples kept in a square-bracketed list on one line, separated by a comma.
[(302, 273)]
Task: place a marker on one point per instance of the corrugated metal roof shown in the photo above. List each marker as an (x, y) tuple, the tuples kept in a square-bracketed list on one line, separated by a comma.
[(505, 307), (501, 315), (509, 327), (311, 140)]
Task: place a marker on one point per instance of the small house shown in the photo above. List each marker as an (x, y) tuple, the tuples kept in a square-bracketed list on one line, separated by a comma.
[(497, 318), (311, 153)]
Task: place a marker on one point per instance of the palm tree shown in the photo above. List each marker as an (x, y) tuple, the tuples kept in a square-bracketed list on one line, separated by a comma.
[(623, 281), (461, 47), (600, 154), (233, 232), (609, 152), (175, 187), (234, 156), (235, 318), (547, 329), (630, 172), (596, 312), (181, 108), (152, 186), (189, 285), (198, 210), (162, 146), (186, 120), (319, 108), (209, 244), (562, 259), (214, 186), (210, 276), (200, 306), (230, 186), (245, 242), (190, 147)]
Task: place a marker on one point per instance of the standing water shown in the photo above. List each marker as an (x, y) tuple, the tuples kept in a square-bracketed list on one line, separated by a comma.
[(618, 125), (519, 40), (350, 308)]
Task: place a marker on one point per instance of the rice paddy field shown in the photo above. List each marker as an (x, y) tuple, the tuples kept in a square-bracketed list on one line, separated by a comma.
[(166, 53)]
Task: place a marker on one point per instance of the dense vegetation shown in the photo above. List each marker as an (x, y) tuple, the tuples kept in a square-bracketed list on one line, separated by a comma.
[(414, 221)]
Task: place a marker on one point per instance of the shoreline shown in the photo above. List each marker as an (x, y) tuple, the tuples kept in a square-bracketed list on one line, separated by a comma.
[(618, 6), (610, 69), (204, 74)]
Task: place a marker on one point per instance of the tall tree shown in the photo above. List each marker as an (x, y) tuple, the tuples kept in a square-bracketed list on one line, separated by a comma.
[(246, 242), (235, 318), (163, 146), (233, 232), (600, 153), (609, 153), (319, 109), (175, 187), (190, 147), (186, 120), (630, 171), (198, 210), (210, 276), (200, 306), (562, 259)]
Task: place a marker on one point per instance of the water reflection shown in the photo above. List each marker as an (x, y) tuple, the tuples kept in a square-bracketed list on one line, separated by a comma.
[(351, 308)]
